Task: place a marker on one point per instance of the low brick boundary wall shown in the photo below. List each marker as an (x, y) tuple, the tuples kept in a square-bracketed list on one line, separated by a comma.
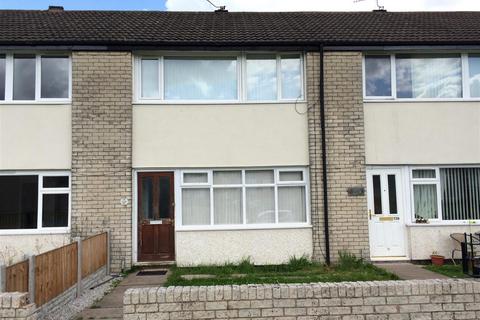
[(15, 305), (376, 300)]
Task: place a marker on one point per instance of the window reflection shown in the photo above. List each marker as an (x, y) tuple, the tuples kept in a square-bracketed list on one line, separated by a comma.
[(378, 76), (428, 76)]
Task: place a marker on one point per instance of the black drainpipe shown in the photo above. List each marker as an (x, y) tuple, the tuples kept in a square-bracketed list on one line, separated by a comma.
[(324, 161)]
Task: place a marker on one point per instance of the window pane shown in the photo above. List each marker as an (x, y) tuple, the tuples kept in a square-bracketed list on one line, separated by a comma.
[(55, 210), (259, 177), (164, 201), (18, 202), (147, 198), (55, 182), (392, 193), (195, 177), (24, 78), (429, 77), (378, 76), (291, 77), (460, 193), (200, 78), (291, 204), (227, 177), (425, 201), (150, 78), (377, 194), (262, 77), (195, 206), (55, 77), (2, 77), (423, 174), (227, 205), (474, 75), (291, 176), (260, 205)]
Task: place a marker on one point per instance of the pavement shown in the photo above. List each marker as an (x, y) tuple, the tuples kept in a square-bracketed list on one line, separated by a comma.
[(111, 305), (409, 271)]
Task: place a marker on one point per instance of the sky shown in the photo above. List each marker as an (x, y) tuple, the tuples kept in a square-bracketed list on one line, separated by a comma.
[(248, 5)]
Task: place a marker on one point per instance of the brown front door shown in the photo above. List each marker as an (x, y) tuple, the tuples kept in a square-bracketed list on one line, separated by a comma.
[(156, 225)]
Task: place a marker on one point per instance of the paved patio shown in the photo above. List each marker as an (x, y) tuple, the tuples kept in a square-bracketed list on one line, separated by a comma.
[(409, 271), (111, 306)]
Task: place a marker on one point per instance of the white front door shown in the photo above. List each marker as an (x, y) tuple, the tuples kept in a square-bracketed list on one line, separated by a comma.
[(386, 213)]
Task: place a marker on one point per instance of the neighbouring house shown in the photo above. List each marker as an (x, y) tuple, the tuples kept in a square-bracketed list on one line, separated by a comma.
[(208, 137)]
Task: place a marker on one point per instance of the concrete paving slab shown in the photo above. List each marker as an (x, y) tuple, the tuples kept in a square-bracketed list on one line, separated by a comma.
[(111, 305), (409, 271)]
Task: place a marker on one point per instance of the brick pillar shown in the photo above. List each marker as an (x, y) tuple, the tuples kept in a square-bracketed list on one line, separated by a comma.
[(102, 149), (348, 220)]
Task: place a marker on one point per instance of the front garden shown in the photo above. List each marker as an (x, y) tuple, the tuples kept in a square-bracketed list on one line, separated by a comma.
[(297, 270)]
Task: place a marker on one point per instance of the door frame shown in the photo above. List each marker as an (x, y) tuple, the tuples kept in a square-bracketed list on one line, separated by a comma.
[(404, 184), (134, 230)]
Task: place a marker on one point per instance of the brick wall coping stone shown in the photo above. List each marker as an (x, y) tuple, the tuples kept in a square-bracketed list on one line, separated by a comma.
[(299, 291)]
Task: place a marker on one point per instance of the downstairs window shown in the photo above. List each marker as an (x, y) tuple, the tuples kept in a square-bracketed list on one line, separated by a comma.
[(448, 194), (34, 201), (244, 197)]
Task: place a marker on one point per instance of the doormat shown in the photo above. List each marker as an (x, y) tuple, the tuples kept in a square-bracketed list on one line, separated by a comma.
[(152, 273)]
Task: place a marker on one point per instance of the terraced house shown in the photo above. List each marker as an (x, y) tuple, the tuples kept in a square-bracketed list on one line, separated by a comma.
[(208, 137)]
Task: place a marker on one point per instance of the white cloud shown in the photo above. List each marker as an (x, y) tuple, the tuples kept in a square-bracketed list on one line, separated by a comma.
[(325, 5)]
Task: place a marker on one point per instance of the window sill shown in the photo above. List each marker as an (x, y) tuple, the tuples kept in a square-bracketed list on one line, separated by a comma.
[(25, 232), (243, 227), (421, 100), (214, 102), (444, 224), (34, 102)]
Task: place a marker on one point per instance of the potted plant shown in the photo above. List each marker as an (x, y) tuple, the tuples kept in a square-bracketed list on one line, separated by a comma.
[(437, 259)]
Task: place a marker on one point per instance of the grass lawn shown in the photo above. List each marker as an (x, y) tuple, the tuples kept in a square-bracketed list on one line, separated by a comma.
[(298, 270), (449, 270)]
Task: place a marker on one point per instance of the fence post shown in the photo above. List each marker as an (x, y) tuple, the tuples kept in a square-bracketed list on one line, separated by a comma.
[(3, 278), (79, 266), (31, 278), (108, 252)]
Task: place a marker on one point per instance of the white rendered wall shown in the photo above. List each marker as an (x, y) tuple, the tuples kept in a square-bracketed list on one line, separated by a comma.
[(273, 246)]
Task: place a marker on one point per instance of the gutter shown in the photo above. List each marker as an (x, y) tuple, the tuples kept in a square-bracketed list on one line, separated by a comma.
[(324, 159)]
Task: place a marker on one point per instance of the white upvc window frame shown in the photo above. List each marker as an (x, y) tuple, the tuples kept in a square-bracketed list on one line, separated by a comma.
[(465, 77), (41, 191), (426, 181), (241, 78), (9, 60), (439, 221), (243, 185)]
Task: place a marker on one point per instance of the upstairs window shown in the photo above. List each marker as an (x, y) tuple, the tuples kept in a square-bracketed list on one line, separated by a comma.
[(422, 76), (23, 77), (378, 76), (236, 78), (200, 78), (30, 77), (425, 76)]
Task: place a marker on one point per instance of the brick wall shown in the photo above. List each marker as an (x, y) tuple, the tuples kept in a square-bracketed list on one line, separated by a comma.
[(102, 148), (14, 305), (348, 219), (379, 300)]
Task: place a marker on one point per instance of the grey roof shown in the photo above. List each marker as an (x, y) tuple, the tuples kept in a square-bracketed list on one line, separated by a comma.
[(157, 28)]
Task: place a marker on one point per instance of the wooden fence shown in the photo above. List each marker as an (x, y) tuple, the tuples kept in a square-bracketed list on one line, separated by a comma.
[(16, 277), (94, 253), (51, 273)]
